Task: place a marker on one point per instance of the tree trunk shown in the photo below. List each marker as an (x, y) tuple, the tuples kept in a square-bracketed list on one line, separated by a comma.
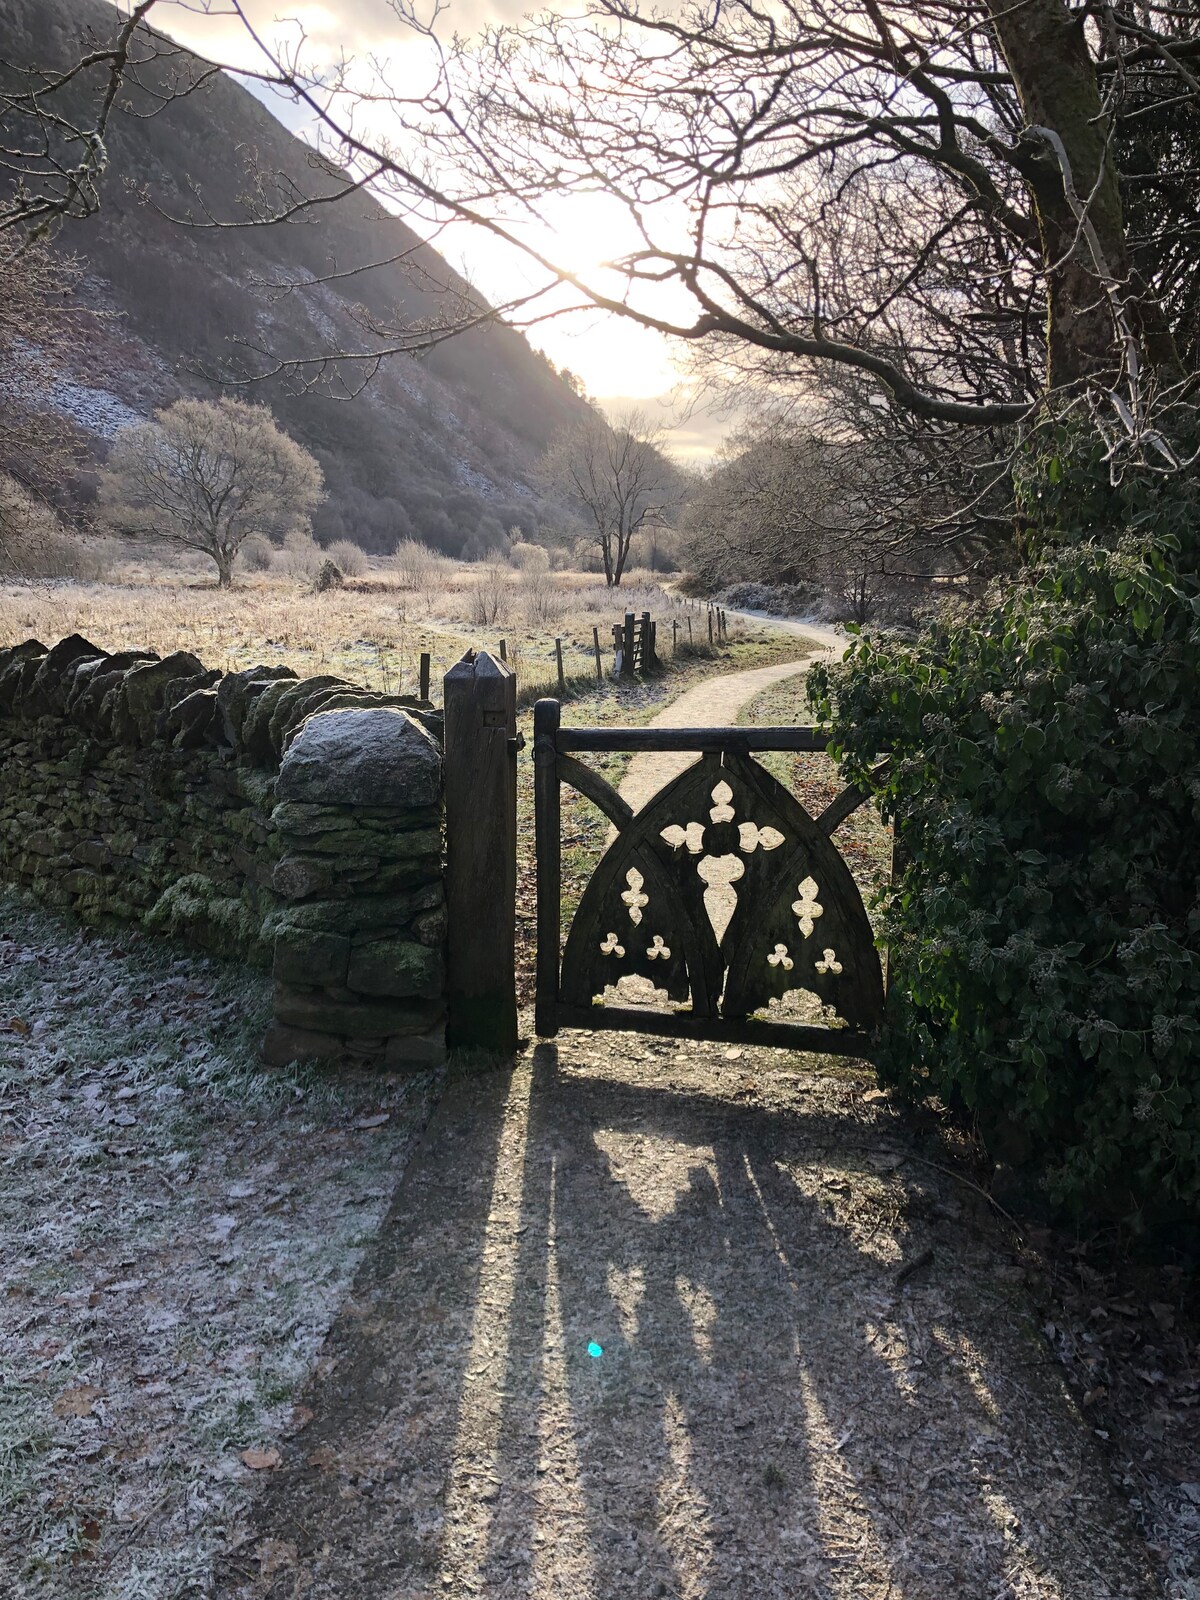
[(1056, 84), (224, 572)]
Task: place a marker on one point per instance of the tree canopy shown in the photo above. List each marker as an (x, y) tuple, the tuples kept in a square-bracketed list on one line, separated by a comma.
[(205, 475)]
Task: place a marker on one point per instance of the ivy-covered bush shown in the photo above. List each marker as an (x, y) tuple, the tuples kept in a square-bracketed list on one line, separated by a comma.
[(1045, 783)]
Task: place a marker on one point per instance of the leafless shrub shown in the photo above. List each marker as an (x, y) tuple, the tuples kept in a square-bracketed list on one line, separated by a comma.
[(542, 596), (35, 544), (529, 558), (488, 598), (256, 554), (416, 565), (301, 556), (350, 558)]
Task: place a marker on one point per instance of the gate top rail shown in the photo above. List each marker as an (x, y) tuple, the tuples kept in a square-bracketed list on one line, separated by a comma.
[(568, 740)]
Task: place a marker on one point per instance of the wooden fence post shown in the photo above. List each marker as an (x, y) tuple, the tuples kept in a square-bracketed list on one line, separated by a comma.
[(710, 626), (596, 646), (425, 665), (480, 698), (674, 637), (629, 659), (647, 643), (562, 681), (504, 649)]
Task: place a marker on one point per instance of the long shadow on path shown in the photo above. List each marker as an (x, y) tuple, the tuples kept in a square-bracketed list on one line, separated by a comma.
[(634, 1330)]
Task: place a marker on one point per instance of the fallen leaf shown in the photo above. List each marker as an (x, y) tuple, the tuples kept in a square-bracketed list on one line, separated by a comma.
[(322, 1457), (875, 1094), (79, 1402), (261, 1460), (734, 1055), (19, 1026), (301, 1417), (377, 1121)]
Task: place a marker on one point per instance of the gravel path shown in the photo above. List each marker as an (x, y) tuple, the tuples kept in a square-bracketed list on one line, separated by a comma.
[(652, 1320), (715, 702)]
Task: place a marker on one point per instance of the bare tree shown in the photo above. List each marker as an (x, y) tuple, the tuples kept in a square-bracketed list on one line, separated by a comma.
[(784, 505), (205, 475), (616, 478)]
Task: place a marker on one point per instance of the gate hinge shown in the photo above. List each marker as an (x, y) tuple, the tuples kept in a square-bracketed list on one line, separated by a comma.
[(545, 752)]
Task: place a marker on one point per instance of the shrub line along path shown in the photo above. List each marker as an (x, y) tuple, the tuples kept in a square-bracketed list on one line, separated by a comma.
[(649, 1318)]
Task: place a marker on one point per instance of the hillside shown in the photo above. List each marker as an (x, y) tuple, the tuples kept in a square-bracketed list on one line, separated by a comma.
[(442, 447)]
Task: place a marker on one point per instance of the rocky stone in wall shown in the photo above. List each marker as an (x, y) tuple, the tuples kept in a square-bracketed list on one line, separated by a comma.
[(365, 758)]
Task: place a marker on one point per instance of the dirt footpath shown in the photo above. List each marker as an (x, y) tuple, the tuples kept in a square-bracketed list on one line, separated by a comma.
[(712, 704), (651, 1319)]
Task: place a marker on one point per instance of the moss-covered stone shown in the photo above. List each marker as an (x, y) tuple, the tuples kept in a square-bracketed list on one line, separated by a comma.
[(310, 958), (395, 967)]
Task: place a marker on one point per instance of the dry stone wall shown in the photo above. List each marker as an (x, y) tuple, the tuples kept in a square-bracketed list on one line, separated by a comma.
[(293, 824)]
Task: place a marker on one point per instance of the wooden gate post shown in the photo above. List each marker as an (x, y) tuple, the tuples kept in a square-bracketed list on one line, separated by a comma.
[(547, 800), (630, 660), (480, 698)]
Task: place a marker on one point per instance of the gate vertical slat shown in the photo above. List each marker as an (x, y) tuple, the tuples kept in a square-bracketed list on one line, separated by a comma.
[(547, 801)]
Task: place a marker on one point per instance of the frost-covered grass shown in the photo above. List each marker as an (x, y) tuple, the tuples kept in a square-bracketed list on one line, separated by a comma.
[(177, 1231), (373, 634)]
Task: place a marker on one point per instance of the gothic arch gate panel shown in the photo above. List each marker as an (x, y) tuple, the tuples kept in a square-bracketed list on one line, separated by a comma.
[(721, 910)]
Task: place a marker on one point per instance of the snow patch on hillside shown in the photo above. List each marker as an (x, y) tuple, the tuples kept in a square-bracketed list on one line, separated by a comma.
[(470, 478), (33, 384)]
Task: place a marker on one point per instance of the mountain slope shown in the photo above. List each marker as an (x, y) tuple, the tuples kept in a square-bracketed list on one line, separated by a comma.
[(442, 448)]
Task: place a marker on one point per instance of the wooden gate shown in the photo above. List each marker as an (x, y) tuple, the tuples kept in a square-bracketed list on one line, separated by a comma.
[(726, 901)]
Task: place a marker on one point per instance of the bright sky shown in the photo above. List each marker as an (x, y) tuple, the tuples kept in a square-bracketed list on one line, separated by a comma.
[(620, 363)]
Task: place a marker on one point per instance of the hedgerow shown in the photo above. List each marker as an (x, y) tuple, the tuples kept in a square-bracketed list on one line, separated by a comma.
[(1044, 781)]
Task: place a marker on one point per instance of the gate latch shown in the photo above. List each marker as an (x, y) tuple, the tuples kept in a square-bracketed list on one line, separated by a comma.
[(517, 744)]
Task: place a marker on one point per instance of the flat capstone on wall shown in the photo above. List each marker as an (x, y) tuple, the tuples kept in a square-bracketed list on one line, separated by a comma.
[(294, 824)]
